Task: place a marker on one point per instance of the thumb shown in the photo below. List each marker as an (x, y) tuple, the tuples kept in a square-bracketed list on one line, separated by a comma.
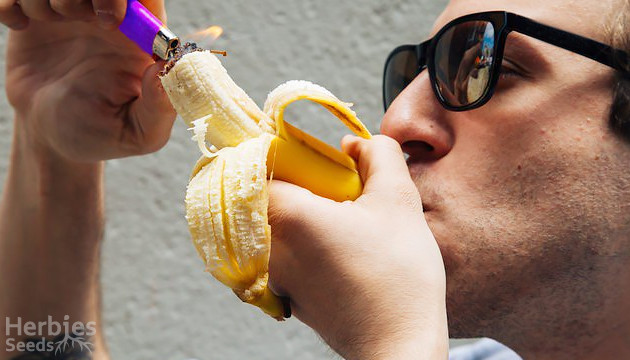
[(156, 7), (152, 111), (382, 167), (291, 205)]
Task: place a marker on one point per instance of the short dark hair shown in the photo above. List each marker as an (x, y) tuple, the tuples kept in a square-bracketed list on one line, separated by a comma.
[(620, 38)]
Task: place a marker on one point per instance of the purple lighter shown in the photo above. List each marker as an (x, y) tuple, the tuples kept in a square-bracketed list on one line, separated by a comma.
[(144, 29)]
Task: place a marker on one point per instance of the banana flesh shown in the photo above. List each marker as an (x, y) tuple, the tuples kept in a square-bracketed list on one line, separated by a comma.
[(227, 197)]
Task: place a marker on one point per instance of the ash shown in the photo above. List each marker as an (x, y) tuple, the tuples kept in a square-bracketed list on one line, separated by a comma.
[(179, 52)]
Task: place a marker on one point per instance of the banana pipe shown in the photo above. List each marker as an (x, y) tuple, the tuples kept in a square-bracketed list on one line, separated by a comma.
[(227, 197)]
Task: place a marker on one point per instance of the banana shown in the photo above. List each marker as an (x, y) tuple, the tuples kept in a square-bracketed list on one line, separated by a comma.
[(227, 197)]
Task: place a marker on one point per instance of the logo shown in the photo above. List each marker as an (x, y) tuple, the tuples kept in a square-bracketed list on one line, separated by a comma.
[(31, 336)]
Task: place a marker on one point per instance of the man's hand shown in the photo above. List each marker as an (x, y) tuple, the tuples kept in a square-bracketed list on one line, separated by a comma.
[(82, 93), (82, 90), (366, 275)]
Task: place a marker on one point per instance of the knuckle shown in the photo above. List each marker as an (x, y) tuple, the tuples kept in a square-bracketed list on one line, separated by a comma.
[(75, 9), (14, 21), (42, 12), (404, 193), (132, 144), (7, 6), (152, 145), (381, 144), (409, 197), (280, 216), (286, 215), (64, 5), (139, 139), (109, 5), (387, 142), (59, 5), (158, 141)]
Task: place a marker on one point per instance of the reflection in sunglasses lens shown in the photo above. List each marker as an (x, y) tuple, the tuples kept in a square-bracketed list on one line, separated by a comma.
[(400, 72), (464, 56)]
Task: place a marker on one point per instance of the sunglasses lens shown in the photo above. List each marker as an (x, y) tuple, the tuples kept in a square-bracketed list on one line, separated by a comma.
[(400, 70), (464, 56)]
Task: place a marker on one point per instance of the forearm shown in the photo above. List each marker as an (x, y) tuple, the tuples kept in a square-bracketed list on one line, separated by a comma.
[(51, 225)]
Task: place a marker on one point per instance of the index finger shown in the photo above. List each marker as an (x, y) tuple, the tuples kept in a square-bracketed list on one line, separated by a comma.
[(383, 169), (73, 9)]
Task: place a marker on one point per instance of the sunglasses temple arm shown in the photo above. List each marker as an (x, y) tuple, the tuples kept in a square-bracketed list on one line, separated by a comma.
[(591, 49)]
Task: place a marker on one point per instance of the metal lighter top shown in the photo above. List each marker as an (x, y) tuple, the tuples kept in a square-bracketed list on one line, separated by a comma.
[(146, 30)]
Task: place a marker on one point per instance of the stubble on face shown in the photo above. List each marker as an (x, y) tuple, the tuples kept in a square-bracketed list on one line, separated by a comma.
[(530, 248)]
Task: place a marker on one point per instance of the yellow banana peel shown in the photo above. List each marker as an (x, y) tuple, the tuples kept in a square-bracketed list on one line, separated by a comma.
[(227, 197)]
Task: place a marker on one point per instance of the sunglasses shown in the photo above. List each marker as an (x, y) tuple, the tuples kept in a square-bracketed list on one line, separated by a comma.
[(464, 58)]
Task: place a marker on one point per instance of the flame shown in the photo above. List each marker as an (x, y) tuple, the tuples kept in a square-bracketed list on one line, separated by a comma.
[(209, 34), (204, 38)]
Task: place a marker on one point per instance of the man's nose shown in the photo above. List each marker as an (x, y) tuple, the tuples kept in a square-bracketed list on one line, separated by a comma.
[(418, 122)]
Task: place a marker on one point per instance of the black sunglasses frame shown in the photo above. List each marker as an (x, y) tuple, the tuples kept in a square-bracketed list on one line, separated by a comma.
[(504, 23)]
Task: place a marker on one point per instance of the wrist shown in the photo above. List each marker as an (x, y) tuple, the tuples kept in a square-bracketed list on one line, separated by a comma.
[(432, 345), (43, 188), (30, 140), (34, 161), (426, 337)]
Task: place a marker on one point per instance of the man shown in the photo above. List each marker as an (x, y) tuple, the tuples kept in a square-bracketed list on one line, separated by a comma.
[(526, 195)]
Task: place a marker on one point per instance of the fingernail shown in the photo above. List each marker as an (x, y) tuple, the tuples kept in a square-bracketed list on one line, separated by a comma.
[(106, 19)]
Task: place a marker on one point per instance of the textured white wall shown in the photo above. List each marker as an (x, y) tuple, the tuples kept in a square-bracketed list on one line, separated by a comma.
[(158, 302)]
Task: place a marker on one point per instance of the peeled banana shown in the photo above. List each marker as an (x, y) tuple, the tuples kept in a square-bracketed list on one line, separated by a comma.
[(227, 197)]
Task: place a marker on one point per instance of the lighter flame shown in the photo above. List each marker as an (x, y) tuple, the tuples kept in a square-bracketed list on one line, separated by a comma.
[(209, 34)]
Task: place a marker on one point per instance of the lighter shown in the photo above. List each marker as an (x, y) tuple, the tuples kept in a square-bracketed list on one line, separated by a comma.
[(147, 31)]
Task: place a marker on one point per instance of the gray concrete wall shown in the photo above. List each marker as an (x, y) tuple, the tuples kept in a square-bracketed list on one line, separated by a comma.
[(158, 302)]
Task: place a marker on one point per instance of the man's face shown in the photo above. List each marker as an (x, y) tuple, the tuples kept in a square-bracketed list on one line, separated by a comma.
[(528, 195)]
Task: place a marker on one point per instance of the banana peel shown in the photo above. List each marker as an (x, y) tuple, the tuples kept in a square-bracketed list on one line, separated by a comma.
[(227, 197)]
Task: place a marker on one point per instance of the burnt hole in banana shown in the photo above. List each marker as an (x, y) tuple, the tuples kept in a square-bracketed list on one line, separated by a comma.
[(178, 53)]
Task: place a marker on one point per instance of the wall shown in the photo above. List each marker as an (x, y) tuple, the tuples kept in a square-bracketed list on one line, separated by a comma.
[(158, 302)]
